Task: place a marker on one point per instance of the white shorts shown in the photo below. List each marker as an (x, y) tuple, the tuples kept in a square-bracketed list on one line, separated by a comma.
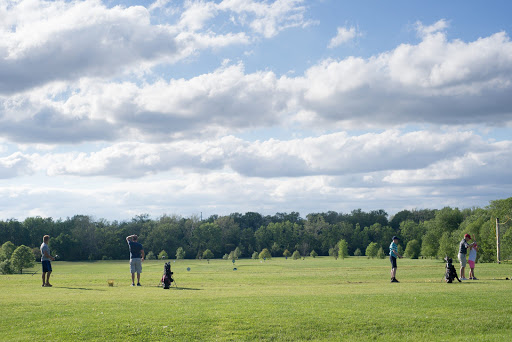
[(136, 265), (462, 260)]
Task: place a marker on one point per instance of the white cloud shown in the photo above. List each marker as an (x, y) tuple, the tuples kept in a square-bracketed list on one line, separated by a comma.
[(344, 35), (438, 26)]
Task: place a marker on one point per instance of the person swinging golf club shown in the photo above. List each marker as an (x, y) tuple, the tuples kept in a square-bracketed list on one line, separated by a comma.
[(393, 254), (136, 257)]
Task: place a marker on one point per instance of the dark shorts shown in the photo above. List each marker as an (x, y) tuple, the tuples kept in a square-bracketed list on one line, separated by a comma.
[(393, 261), (47, 266)]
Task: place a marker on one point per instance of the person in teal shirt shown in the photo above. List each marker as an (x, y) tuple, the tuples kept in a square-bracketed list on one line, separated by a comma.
[(393, 254)]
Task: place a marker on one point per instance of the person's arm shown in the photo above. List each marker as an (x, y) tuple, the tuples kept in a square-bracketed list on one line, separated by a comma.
[(142, 254), (129, 238)]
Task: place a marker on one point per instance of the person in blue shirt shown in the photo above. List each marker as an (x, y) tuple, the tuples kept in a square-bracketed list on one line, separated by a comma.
[(393, 254), (136, 257)]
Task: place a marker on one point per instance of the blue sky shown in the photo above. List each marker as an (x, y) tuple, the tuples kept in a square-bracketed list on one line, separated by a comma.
[(114, 109)]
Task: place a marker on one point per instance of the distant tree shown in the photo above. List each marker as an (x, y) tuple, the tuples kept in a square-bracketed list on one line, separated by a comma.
[(358, 252), (5, 267), (150, 256), (231, 255), (371, 250), (400, 250), (342, 249), (36, 252), (313, 254), (287, 253), (207, 254), (380, 253), (296, 255), (265, 254), (225, 257), (447, 246), (237, 253), (255, 255), (333, 252), (413, 249), (6, 250), (275, 249), (21, 258), (180, 253), (162, 255)]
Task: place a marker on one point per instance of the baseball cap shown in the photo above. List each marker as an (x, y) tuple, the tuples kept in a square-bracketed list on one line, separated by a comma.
[(395, 238), (467, 236)]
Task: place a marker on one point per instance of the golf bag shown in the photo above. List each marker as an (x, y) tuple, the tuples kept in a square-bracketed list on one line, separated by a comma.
[(167, 277), (450, 272)]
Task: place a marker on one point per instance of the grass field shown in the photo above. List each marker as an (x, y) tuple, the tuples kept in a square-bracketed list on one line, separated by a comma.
[(319, 299)]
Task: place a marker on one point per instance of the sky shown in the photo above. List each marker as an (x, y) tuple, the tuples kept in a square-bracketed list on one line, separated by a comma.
[(209, 107)]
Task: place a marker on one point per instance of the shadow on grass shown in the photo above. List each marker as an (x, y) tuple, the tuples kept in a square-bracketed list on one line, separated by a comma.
[(79, 288)]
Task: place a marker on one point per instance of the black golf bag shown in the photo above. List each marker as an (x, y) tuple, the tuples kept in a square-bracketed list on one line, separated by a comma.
[(450, 272), (167, 277)]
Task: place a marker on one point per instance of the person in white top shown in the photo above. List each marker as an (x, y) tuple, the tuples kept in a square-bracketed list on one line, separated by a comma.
[(471, 260)]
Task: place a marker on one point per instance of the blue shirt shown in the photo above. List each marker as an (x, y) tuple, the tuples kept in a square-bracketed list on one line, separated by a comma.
[(135, 249), (393, 249)]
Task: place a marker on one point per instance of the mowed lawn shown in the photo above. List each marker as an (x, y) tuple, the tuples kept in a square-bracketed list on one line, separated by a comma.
[(319, 299)]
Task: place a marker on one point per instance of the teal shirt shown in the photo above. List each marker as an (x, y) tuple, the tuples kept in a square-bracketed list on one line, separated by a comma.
[(393, 249)]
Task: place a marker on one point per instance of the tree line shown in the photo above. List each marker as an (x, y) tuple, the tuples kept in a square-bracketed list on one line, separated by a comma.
[(428, 233)]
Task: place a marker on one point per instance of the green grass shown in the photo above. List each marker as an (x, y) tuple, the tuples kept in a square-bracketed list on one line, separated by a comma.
[(318, 299)]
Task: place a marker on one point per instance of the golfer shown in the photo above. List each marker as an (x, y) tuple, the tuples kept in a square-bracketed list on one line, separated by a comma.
[(393, 254), (45, 261), (136, 257), (463, 248)]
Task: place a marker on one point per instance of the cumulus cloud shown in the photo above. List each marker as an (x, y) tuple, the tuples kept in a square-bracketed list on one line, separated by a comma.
[(369, 159), (14, 165), (343, 36)]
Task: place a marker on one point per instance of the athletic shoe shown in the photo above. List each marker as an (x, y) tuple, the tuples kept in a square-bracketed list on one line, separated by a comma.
[(43, 285), (138, 284), (48, 285), (394, 280), (463, 278), (133, 284), (474, 278)]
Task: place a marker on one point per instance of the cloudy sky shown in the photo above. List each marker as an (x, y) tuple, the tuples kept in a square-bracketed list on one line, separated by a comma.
[(119, 108)]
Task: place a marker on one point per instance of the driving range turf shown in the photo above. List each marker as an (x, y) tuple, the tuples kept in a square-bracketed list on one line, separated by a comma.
[(319, 299)]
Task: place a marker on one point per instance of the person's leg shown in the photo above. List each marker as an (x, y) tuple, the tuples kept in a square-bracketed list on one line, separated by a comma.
[(44, 278), (133, 278), (48, 278), (138, 278)]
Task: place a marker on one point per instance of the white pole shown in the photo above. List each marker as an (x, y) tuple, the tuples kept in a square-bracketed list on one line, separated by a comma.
[(498, 240)]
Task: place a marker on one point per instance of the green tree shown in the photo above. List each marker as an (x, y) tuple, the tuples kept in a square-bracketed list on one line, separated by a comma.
[(6, 250), (296, 255), (162, 255), (358, 252), (371, 250), (333, 252), (207, 254), (265, 254), (237, 253), (413, 249), (342, 249), (180, 253), (380, 253), (21, 258), (5, 267), (255, 255), (150, 256), (313, 254), (287, 253), (447, 246)]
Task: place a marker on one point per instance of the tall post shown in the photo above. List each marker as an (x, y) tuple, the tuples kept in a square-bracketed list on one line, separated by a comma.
[(498, 240)]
